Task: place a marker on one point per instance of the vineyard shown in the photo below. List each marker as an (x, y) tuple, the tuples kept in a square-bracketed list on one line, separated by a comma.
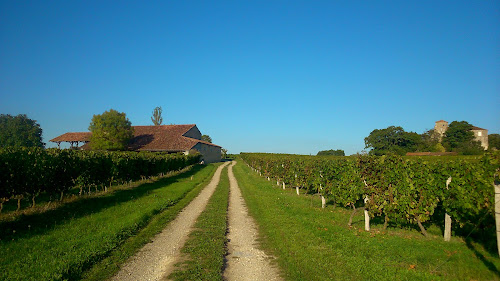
[(30, 172), (398, 190)]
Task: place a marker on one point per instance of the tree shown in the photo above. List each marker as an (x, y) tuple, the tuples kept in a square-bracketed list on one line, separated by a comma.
[(392, 140), (110, 131), (429, 142), (206, 138), (338, 152), (20, 131), (494, 141), (156, 118), (460, 138)]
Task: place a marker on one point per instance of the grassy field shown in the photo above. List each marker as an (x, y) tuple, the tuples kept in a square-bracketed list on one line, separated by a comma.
[(66, 242), (205, 249), (311, 243)]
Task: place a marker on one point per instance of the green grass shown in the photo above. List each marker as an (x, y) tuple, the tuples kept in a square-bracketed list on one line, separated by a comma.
[(205, 249), (65, 242), (311, 243)]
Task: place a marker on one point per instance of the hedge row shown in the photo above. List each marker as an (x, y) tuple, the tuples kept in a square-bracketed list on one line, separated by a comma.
[(28, 172)]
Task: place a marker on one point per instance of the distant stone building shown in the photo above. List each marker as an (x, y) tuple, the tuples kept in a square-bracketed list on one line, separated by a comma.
[(162, 138), (480, 134), (440, 128)]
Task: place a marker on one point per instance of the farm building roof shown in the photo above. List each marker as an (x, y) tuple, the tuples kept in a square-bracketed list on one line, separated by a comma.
[(148, 138), (69, 137)]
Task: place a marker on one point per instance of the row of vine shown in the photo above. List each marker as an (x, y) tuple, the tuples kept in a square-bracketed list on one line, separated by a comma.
[(397, 188), (29, 172)]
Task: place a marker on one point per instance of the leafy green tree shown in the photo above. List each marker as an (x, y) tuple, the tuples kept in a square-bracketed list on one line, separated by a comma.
[(494, 141), (20, 131), (460, 138), (110, 131), (392, 140), (206, 138), (338, 152), (156, 118), (430, 142)]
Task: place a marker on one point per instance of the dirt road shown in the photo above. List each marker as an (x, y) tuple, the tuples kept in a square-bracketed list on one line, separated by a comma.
[(245, 261), (157, 259)]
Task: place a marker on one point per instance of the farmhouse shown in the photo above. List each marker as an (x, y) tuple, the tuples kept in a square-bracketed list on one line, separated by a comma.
[(163, 138)]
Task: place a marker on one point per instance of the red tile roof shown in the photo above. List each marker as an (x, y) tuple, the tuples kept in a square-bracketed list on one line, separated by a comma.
[(68, 137), (477, 128), (149, 138)]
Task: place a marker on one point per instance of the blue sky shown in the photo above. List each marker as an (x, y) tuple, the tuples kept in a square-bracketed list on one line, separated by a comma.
[(260, 76)]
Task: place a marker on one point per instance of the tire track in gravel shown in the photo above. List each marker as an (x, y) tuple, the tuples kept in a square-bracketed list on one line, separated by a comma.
[(156, 260), (244, 261)]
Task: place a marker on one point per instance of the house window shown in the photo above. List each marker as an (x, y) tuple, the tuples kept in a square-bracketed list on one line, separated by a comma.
[(479, 134)]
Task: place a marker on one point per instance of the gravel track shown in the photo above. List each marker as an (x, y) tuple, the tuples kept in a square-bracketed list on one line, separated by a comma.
[(244, 261), (156, 260)]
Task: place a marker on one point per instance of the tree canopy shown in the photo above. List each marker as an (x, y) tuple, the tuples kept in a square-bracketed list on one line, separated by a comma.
[(156, 118), (459, 138), (206, 138), (20, 131), (494, 141), (338, 152), (392, 140), (430, 142), (110, 131)]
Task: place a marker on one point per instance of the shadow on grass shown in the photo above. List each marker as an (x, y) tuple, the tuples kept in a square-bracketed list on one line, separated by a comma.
[(480, 229), (26, 226), (490, 265)]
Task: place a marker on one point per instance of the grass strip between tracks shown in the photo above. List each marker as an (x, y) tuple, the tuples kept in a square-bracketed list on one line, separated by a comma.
[(97, 234), (311, 243), (205, 249)]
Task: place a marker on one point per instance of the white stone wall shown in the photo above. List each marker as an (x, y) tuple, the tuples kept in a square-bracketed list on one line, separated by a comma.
[(482, 136)]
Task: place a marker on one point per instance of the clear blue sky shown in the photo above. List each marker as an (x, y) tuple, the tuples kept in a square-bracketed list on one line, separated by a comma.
[(260, 76)]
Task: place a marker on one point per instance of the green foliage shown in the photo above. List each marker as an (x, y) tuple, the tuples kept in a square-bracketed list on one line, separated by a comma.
[(430, 142), (31, 171), (494, 141), (110, 131), (392, 140), (459, 138), (206, 138), (338, 152), (19, 131), (406, 189), (156, 118)]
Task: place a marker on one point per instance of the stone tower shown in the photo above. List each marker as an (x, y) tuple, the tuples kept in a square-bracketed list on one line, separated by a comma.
[(440, 128)]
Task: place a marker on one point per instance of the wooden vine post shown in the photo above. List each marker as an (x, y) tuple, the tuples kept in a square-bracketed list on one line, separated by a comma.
[(323, 200), (447, 219), (297, 187), (367, 216), (497, 214)]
